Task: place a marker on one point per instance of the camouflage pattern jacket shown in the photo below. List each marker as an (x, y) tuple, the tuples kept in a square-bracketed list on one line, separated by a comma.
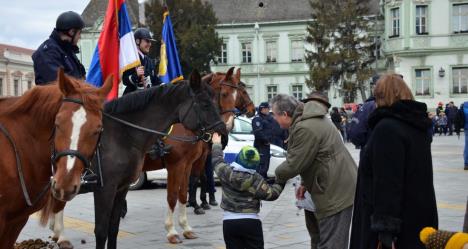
[(242, 191)]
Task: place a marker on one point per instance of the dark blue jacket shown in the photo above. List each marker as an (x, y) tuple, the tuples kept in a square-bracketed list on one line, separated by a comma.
[(131, 80), (262, 126), (278, 134), (359, 131), (55, 53)]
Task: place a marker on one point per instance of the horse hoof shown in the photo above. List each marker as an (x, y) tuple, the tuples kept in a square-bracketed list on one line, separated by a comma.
[(54, 239), (190, 235), (174, 239), (65, 245)]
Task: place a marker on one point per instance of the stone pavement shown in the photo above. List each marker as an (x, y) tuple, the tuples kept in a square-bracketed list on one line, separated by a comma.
[(283, 224)]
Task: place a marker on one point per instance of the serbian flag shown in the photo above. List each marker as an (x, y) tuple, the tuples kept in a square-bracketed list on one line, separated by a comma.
[(116, 50), (170, 70)]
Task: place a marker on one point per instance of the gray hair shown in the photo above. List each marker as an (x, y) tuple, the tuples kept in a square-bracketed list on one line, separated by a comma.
[(285, 103)]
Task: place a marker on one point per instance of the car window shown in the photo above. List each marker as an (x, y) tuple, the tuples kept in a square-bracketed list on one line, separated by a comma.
[(242, 127)]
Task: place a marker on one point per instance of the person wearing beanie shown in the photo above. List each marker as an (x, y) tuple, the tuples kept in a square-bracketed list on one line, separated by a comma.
[(243, 189), (439, 239)]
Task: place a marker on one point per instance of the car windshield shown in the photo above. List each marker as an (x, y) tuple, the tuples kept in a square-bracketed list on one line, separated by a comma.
[(242, 125)]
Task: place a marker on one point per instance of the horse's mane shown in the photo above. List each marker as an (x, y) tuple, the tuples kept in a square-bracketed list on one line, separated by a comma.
[(43, 102), (138, 100)]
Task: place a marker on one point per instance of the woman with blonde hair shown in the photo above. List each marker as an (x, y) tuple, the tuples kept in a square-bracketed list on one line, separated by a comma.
[(395, 195)]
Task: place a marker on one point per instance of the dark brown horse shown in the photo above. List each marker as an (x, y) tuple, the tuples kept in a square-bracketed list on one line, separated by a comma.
[(65, 117), (183, 155)]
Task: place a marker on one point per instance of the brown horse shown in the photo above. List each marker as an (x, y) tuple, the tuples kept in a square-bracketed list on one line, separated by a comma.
[(64, 117)]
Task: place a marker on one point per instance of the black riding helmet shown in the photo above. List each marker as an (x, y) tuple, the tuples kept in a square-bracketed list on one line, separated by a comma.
[(69, 20), (143, 33)]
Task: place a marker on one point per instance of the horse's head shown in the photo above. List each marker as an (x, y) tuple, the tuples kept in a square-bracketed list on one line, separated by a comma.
[(198, 113), (225, 87), (78, 126), (243, 101)]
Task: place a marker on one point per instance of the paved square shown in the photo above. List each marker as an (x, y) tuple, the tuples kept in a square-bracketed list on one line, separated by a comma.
[(283, 224)]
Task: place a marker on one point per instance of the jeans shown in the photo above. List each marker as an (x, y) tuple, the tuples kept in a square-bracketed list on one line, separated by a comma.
[(465, 154)]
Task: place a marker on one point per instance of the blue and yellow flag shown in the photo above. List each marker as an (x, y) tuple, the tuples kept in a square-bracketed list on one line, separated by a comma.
[(170, 70)]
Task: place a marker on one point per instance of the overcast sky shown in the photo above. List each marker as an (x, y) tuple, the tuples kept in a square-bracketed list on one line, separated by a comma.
[(27, 23)]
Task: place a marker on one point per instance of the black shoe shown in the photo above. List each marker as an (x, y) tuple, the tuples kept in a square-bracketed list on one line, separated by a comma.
[(213, 201), (198, 210), (205, 206)]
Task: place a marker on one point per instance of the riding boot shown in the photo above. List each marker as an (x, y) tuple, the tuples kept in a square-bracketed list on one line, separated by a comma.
[(192, 196), (213, 201), (204, 203)]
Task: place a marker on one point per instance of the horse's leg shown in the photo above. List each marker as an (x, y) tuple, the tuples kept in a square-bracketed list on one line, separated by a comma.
[(192, 195), (114, 222), (58, 228), (173, 185), (13, 231), (183, 221), (103, 204)]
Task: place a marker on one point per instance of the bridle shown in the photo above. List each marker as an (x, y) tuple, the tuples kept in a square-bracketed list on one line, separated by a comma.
[(56, 155), (243, 108), (223, 83), (204, 132)]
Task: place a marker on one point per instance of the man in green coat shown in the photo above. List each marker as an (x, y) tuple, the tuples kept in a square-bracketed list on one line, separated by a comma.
[(317, 153)]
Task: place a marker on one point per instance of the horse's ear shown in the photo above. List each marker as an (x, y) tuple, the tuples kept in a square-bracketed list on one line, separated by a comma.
[(66, 86), (195, 80), (107, 87), (229, 74)]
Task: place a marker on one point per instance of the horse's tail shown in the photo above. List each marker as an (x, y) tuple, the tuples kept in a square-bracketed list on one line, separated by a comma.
[(46, 211)]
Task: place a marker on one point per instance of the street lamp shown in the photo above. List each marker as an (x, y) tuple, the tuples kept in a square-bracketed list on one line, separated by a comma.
[(257, 28)]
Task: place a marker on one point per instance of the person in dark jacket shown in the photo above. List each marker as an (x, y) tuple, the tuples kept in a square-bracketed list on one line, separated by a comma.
[(243, 191), (336, 119), (60, 50), (143, 76), (451, 112), (461, 121), (262, 126), (395, 197), (279, 135)]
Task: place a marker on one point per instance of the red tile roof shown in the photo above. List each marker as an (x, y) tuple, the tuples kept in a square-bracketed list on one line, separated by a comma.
[(16, 49)]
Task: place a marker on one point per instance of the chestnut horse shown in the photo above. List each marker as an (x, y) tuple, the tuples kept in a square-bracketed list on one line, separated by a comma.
[(132, 124), (64, 118)]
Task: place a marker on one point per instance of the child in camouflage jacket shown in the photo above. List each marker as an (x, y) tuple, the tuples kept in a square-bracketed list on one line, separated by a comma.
[(243, 189)]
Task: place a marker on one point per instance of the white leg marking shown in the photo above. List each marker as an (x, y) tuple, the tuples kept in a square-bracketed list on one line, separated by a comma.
[(170, 223), (183, 221), (78, 119), (59, 228)]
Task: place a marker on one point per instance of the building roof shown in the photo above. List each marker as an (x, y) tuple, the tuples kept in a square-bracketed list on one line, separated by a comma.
[(96, 9), (242, 11), (15, 49)]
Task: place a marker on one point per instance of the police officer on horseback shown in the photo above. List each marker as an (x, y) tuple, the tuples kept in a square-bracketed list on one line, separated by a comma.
[(262, 126), (60, 50), (145, 75)]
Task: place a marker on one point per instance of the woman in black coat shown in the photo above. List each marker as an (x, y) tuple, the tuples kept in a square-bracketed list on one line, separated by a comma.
[(395, 196)]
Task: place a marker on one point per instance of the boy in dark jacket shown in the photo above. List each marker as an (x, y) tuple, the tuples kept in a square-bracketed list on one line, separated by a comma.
[(243, 189)]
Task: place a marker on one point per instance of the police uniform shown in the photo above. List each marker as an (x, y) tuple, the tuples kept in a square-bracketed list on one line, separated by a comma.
[(130, 78), (55, 52), (262, 126)]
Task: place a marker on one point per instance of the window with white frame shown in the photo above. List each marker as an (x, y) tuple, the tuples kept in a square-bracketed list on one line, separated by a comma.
[(296, 91), (460, 80), (421, 19), (395, 19), (423, 81), (247, 52), (376, 51), (460, 18), (271, 51), (297, 51), (29, 84), (272, 91), (1, 86), (16, 87), (223, 56)]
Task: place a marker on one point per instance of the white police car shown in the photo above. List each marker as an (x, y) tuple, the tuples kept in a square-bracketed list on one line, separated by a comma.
[(240, 136)]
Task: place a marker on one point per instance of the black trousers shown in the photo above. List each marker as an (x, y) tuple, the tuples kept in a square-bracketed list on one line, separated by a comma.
[(243, 234)]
